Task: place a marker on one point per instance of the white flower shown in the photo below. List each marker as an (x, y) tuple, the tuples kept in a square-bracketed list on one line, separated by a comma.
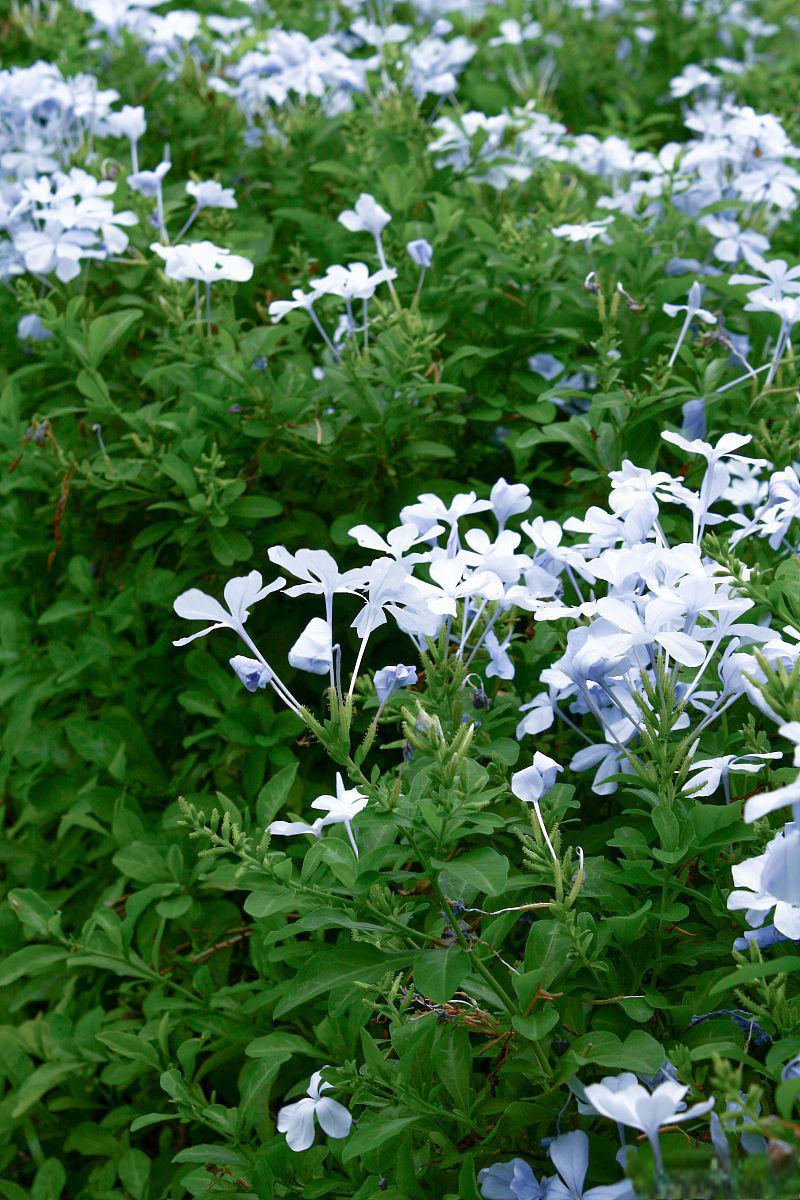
[(420, 252), (569, 1154), (388, 680), (726, 447), (430, 510), (398, 541), (512, 1180), (297, 1120), (354, 282), (500, 665), (318, 571), (300, 299), (530, 784), (129, 122), (342, 808), (732, 243), (586, 232), (241, 593), (203, 261), (31, 329), (251, 672), (509, 500), (512, 33), (775, 277), (634, 1106), (210, 194), (56, 250), (295, 828), (453, 585), (312, 651), (366, 217), (692, 307), (771, 880), (691, 78), (708, 773), (148, 183)]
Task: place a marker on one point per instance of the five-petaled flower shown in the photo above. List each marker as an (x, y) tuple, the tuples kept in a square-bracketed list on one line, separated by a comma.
[(297, 1120)]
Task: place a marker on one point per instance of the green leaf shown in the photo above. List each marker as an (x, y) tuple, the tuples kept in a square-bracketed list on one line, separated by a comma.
[(438, 973), (148, 1119), (41, 1081), (255, 508), (134, 1172), (128, 1045), (275, 794), (749, 972), (481, 870), (32, 910), (639, 1052), (336, 968), (537, 1025), (279, 1047), (32, 960), (452, 1061), (50, 1181), (375, 1131), (105, 332), (786, 1094)]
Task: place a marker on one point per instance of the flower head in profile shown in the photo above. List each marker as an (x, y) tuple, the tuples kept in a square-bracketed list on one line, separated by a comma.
[(536, 780), (420, 252), (771, 881), (512, 1180), (389, 680), (241, 593), (342, 808), (431, 510), (569, 1154), (586, 232), (634, 1106), (210, 194), (317, 570), (129, 122), (297, 1120), (313, 651), (148, 183), (509, 500), (203, 261), (366, 216), (252, 673), (355, 281)]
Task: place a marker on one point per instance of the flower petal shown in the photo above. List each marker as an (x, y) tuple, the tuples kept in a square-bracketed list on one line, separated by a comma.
[(333, 1117), (297, 1122)]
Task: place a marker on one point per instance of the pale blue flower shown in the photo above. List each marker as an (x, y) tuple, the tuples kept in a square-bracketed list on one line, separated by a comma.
[(313, 651), (546, 365), (536, 780), (508, 500), (251, 672), (241, 593), (420, 252), (148, 183), (297, 1120), (570, 1157), (500, 665), (31, 329), (513, 1180), (389, 680)]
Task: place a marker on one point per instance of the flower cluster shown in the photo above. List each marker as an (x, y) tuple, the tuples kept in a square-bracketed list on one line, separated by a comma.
[(355, 281), (54, 216)]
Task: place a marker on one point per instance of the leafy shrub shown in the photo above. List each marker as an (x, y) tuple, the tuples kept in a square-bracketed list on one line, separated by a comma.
[(427, 929)]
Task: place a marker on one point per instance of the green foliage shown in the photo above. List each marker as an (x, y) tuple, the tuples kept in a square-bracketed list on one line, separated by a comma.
[(169, 976)]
